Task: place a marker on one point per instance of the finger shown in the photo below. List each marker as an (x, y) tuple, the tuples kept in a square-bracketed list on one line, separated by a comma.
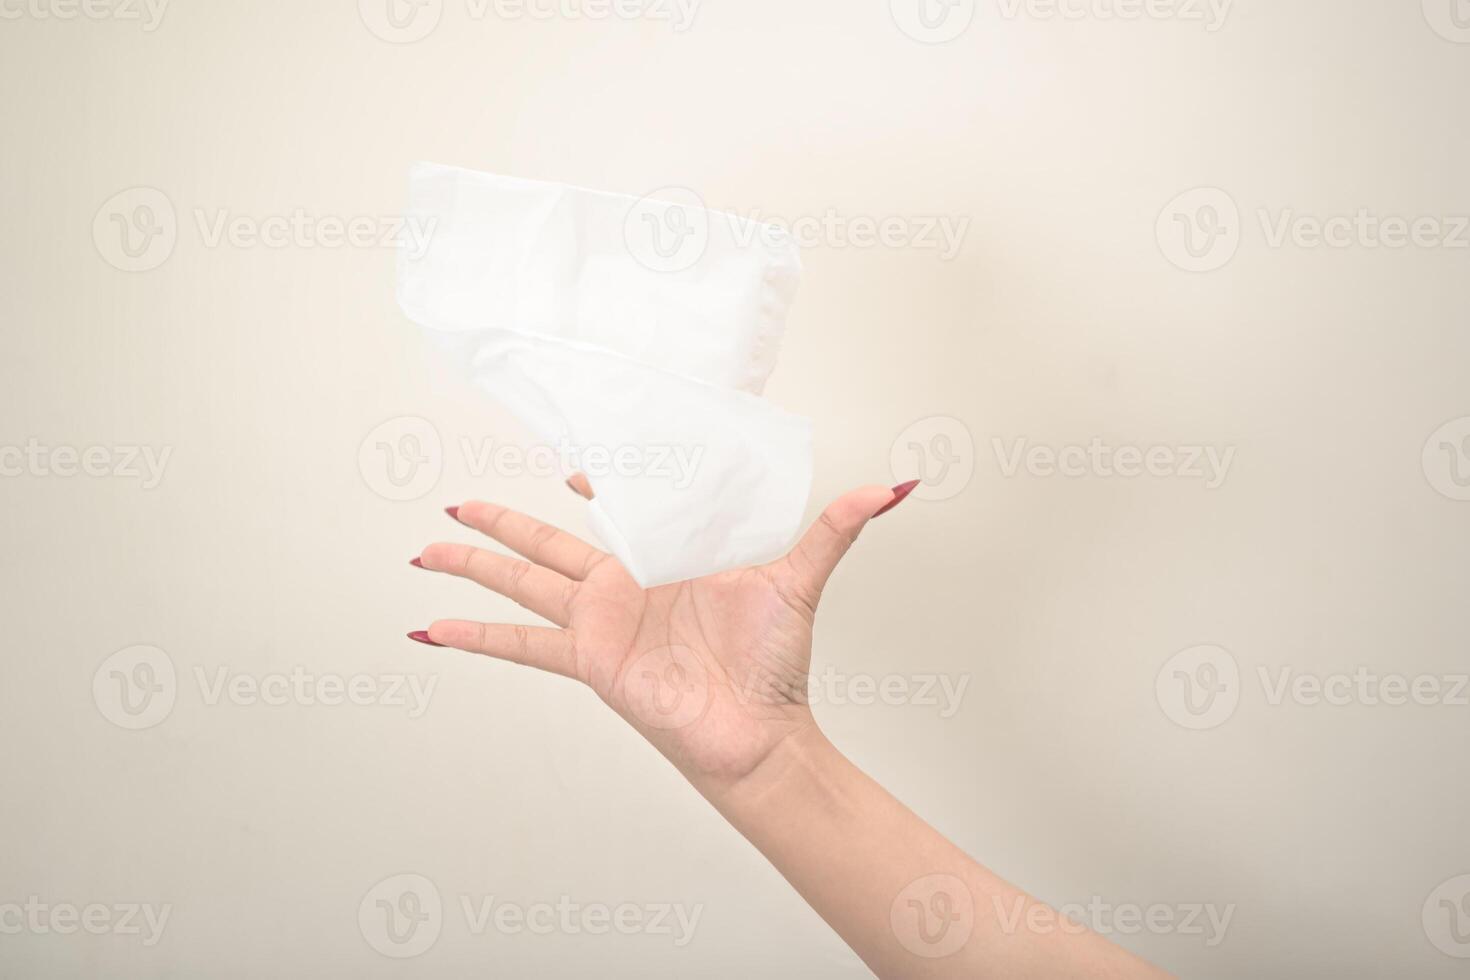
[(535, 646), (817, 553), (540, 590), (542, 543), (581, 486)]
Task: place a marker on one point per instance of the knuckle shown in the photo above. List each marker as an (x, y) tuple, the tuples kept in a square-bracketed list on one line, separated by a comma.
[(797, 595), (491, 518), (516, 574), (542, 536), (470, 559), (830, 523), (592, 561)]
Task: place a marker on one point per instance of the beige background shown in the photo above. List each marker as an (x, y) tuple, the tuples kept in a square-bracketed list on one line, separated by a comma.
[(1330, 545)]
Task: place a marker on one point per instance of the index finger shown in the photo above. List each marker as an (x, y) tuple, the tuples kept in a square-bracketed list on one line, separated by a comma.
[(543, 544)]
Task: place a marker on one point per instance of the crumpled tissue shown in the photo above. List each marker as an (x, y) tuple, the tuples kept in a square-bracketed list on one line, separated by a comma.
[(638, 335)]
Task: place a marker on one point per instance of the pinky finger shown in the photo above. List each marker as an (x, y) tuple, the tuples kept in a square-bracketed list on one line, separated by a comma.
[(544, 648)]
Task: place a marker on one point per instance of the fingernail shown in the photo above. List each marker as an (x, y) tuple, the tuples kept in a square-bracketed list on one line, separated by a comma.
[(899, 493), (422, 636), (452, 512), (416, 563)]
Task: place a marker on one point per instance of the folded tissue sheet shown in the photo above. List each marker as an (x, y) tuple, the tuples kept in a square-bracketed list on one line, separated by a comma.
[(636, 335)]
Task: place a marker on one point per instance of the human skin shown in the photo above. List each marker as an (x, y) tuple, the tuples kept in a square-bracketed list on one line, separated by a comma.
[(713, 672)]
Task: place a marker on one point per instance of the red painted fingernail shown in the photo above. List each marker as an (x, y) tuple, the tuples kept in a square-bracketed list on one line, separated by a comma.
[(416, 563), (899, 493), (452, 512), (422, 636)]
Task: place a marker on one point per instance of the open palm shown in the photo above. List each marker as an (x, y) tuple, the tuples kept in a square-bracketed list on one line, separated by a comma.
[(713, 671)]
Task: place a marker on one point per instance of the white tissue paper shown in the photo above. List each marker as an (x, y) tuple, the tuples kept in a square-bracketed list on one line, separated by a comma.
[(639, 335)]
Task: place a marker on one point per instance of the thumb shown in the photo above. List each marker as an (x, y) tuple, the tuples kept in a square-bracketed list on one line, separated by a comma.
[(817, 553)]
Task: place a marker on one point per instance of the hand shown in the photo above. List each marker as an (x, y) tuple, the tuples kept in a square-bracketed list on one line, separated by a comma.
[(712, 671)]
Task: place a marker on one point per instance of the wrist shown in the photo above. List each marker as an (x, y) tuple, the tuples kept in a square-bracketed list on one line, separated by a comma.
[(801, 764)]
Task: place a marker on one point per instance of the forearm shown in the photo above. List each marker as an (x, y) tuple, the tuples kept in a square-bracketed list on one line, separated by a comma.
[(909, 902)]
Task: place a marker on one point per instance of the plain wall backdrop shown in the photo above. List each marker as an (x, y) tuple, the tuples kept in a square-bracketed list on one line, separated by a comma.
[(1137, 268)]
